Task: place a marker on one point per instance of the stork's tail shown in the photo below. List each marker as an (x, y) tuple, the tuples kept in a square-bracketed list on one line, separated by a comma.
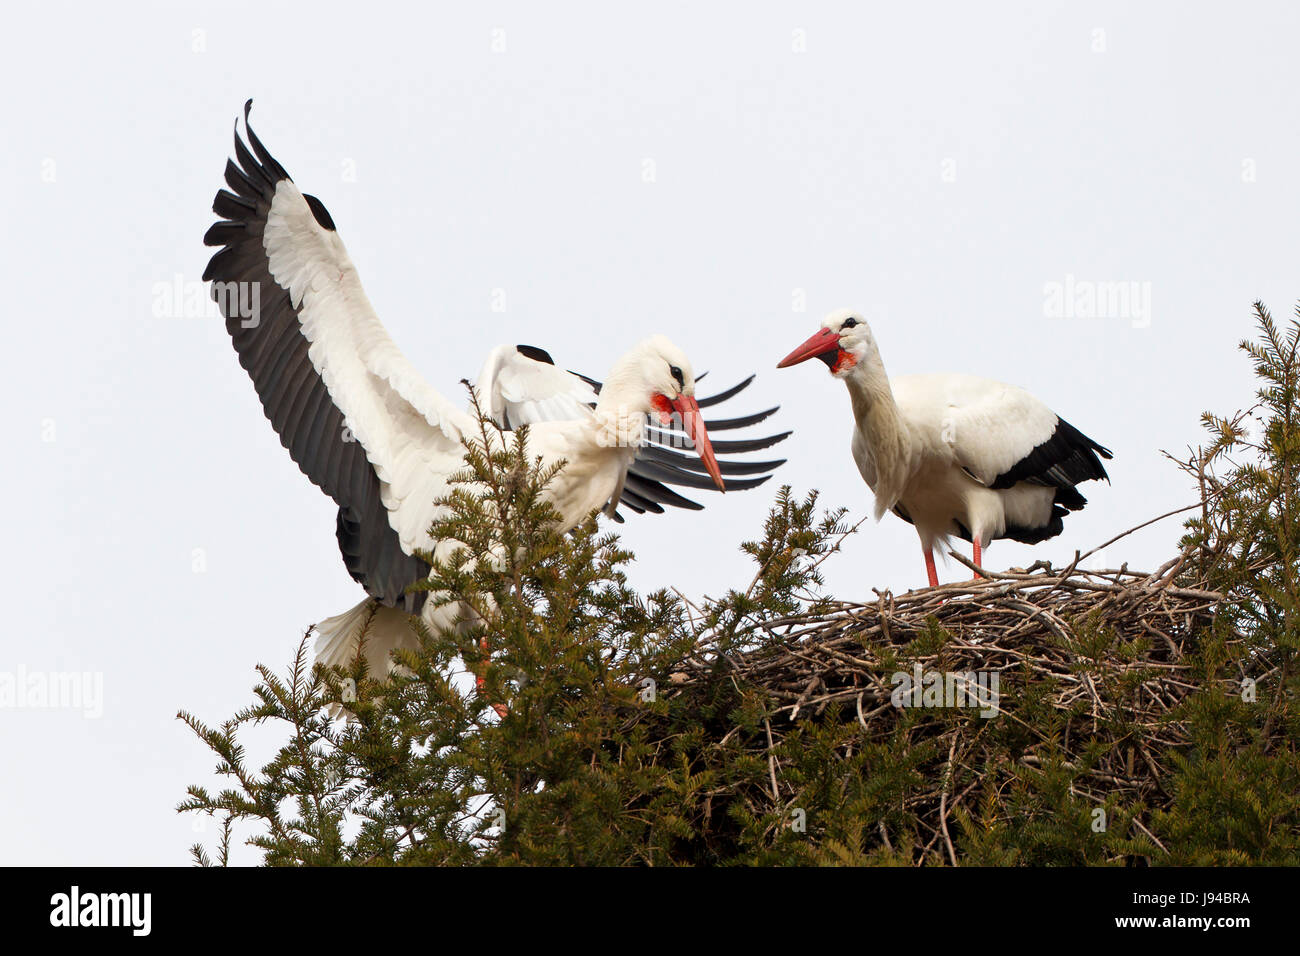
[(385, 628)]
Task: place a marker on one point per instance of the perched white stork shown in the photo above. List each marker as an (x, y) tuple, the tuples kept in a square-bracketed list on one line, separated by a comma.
[(954, 454), (363, 425)]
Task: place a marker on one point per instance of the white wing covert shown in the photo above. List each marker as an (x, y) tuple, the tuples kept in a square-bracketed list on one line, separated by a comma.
[(521, 385), (1000, 434)]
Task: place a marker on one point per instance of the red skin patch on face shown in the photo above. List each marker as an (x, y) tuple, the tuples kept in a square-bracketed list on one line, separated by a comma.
[(843, 360), (663, 407)]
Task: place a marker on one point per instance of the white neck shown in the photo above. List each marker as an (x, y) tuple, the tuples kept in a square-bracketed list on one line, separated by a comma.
[(883, 429), (622, 408)]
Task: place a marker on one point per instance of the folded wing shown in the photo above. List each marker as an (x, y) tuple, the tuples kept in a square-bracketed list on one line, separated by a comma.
[(1001, 435)]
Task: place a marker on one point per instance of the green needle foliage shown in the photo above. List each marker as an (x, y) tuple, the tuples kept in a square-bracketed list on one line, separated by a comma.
[(757, 728), (1237, 786)]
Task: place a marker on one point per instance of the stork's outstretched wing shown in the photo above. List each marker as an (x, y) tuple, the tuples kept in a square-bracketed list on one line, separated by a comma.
[(352, 411), (522, 384)]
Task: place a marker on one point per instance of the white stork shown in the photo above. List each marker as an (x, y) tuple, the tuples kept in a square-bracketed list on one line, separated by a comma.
[(363, 425), (954, 454)]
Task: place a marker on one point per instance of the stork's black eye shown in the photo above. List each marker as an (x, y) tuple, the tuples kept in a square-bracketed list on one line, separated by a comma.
[(849, 323), (677, 374)]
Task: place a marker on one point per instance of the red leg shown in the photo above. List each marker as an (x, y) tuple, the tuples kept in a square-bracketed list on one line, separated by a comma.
[(929, 568), (480, 681), (978, 555), (501, 709)]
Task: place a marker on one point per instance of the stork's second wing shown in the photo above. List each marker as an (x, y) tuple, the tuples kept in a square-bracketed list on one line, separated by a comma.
[(352, 411), (521, 384)]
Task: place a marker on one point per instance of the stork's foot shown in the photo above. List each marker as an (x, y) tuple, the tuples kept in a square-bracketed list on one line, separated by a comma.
[(501, 709)]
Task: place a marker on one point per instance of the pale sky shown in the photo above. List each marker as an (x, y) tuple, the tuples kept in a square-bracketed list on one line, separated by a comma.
[(722, 176)]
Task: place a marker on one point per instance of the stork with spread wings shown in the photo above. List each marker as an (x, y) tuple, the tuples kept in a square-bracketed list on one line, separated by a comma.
[(371, 433)]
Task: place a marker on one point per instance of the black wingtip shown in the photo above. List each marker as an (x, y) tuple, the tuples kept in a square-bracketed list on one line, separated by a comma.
[(744, 484), (248, 108), (223, 233), (318, 210), (536, 354), (263, 154), (725, 394)]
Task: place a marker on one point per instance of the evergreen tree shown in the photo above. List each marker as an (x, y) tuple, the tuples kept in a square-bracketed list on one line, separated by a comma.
[(758, 728)]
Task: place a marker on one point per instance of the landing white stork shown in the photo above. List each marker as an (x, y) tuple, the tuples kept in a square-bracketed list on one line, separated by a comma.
[(373, 435), (954, 454)]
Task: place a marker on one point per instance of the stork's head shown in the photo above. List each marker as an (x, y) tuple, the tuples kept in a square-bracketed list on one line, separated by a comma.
[(842, 342), (657, 379)]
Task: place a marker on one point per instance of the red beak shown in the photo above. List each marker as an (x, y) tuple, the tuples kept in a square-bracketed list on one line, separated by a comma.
[(824, 341), (689, 409)]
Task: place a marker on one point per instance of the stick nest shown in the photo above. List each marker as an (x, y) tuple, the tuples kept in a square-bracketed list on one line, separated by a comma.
[(1107, 652)]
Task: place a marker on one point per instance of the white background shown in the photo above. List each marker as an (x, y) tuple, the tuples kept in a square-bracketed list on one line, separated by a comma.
[(934, 165)]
